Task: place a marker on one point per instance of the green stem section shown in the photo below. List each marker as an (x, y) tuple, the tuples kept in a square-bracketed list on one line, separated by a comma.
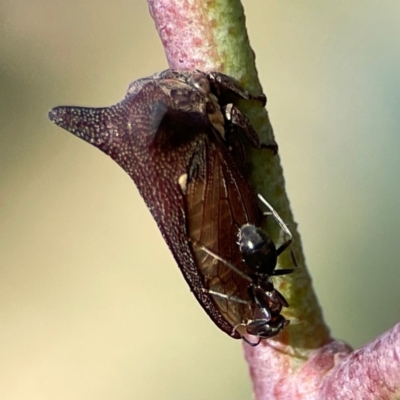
[(211, 36)]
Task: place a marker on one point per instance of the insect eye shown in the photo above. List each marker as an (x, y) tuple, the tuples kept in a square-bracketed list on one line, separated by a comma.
[(201, 83)]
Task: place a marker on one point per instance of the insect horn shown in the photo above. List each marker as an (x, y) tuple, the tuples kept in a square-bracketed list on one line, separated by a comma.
[(96, 126)]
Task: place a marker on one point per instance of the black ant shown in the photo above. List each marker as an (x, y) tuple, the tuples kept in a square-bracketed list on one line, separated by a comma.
[(261, 255)]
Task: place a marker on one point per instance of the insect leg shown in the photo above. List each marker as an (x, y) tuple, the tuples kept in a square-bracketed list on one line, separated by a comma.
[(283, 226), (238, 119), (228, 297), (225, 83), (235, 328), (225, 262), (251, 343)]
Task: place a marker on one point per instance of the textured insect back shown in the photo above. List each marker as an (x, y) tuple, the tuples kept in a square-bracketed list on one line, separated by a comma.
[(169, 135)]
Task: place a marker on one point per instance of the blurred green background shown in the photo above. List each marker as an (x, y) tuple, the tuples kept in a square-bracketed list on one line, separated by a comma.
[(92, 304)]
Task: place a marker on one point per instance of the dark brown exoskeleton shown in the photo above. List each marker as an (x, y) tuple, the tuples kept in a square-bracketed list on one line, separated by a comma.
[(175, 133)]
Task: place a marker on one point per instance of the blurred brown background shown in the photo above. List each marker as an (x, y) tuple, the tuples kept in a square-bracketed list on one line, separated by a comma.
[(92, 305)]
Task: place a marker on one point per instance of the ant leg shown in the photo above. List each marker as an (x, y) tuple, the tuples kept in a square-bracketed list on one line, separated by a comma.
[(293, 258), (250, 343), (283, 226), (227, 297), (240, 301), (278, 272), (225, 262), (244, 337)]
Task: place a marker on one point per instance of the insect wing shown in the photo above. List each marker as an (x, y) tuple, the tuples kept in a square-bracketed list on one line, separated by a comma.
[(154, 134), (219, 201)]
